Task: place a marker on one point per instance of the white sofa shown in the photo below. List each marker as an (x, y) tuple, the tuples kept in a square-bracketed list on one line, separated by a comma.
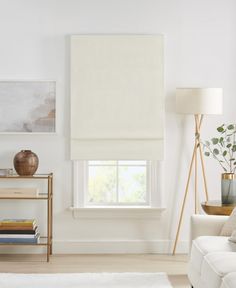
[(212, 261)]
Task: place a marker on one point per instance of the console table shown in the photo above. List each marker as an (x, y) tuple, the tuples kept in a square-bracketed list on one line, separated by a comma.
[(48, 197)]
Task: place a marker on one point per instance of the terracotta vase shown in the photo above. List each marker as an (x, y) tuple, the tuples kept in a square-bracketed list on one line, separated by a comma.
[(26, 163)]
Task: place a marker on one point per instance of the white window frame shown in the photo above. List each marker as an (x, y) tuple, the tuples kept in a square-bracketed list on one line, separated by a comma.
[(148, 178), (153, 210)]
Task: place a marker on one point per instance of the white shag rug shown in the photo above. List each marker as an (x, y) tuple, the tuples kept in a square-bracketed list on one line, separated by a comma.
[(85, 280)]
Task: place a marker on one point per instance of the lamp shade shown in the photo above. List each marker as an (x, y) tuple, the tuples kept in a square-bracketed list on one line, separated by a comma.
[(199, 100)]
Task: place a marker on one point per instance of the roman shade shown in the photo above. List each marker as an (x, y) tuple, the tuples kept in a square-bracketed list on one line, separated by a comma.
[(116, 97)]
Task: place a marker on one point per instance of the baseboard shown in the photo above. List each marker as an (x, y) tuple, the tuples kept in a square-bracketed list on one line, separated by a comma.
[(103, 247), (118, 247)]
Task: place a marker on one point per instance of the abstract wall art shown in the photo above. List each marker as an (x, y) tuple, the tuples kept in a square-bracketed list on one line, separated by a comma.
[(27, 106)]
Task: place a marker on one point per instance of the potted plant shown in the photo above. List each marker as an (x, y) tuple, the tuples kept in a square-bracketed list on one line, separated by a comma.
[(222, 148)]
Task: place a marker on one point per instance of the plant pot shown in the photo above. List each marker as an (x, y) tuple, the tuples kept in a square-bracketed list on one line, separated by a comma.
[(228, 188), (26, 163)]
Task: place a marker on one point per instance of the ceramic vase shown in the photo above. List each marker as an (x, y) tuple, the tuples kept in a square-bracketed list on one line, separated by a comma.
[(228, 188), (26, 163)]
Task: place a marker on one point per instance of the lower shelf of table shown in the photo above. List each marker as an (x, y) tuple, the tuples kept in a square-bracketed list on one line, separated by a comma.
[(43, 241)]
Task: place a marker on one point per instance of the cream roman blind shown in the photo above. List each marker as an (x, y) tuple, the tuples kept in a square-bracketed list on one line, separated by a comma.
[(117, 97)]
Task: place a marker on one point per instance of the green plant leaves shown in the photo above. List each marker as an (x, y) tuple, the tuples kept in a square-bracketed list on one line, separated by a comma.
[(230, 127), (216, 151), (223, 147), (215, 141), (220, 129)]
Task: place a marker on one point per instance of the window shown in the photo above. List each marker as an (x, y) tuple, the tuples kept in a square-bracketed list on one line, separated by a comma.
[(117, 183), (120, 183)]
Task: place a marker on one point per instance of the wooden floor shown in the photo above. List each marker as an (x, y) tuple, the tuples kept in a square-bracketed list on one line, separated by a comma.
[(174, 266)]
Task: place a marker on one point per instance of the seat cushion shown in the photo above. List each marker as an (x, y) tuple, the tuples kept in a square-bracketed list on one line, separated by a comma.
[(207, 244), (215, 266), (229, 281)]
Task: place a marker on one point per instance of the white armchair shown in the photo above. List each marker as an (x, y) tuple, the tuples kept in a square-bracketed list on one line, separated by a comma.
[(206, 225), (212, 261)]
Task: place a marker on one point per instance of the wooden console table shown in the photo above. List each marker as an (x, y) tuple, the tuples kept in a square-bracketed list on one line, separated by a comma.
[(215, 207), (48, 197)]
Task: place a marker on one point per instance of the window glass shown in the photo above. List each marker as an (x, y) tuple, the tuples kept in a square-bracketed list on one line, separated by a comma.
[(117, 183)]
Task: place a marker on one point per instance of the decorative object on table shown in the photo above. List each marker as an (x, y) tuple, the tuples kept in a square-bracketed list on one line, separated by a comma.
[(6, 172), (215, 207), (27, 106), (26, 163), (198, 102), (228, 188), (222, 148)]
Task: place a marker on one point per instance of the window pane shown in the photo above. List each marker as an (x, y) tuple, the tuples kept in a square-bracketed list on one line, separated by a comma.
[(101, 163), (101, 184), (132, 184), (133, 162)]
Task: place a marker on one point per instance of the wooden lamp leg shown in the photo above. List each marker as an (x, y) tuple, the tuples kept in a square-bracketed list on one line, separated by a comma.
[(196, 162), (185, 197), (203, 173), (199, 123), (197, 147), (195, 187)]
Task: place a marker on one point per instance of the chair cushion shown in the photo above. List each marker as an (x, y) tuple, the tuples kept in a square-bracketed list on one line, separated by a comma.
[(207, 244), (230, 224), (229, 281), (215, 266), (232, 238)]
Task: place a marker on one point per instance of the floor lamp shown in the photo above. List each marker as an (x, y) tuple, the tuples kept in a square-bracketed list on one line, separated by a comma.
[(197, 102)]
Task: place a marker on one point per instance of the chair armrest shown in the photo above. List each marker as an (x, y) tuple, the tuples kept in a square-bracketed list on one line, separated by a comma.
[(206, 225)]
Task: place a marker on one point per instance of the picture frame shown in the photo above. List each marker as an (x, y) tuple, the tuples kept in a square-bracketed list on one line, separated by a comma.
[(27, 106)]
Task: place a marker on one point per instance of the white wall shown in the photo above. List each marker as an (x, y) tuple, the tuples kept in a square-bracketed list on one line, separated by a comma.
[(200, 45)]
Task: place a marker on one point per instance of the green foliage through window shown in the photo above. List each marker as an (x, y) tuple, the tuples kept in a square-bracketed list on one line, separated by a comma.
[(117, 182)]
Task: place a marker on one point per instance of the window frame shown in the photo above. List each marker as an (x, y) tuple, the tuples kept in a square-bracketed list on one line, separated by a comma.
[(117, 204), (155, 188)]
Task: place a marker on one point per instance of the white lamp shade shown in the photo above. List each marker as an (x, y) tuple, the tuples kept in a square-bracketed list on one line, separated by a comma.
[(199, 100)]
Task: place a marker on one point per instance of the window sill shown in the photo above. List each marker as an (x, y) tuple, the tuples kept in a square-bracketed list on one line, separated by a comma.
[(117, 212)]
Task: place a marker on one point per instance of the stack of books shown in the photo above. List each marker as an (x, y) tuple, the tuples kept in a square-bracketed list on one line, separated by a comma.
[(19, 231)]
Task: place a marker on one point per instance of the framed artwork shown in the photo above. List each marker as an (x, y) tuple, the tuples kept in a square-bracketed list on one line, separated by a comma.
[(27, 106)]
